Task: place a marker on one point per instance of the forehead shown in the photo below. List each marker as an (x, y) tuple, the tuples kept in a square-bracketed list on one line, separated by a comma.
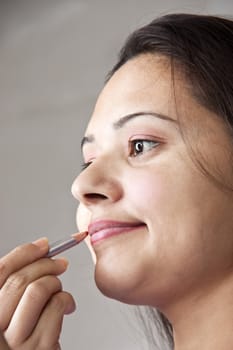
[(144, 69), (148, 82), (142, 83)]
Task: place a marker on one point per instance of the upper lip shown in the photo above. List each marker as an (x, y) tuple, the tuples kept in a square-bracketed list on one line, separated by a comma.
[(99, 225)]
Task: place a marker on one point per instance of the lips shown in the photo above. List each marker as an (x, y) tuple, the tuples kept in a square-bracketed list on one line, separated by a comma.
[(102, 229)]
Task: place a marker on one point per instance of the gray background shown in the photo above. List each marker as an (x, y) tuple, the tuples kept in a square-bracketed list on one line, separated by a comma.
[(54, 56)]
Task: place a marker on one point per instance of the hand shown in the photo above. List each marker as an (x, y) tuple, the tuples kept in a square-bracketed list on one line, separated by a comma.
[(32, 303), (3, 344)]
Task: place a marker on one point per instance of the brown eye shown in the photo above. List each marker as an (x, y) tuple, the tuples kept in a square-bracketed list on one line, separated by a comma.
[(137, 147)]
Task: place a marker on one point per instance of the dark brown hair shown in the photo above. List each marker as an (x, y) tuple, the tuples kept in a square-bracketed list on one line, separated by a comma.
[(202, 46)]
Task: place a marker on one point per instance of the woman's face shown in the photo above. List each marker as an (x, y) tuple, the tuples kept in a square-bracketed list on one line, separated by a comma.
[(161, 230)]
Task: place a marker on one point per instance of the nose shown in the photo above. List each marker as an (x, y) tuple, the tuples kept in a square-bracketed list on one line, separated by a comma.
[(97, 184)]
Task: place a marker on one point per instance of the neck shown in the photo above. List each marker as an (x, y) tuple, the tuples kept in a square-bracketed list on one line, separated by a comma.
[(204, 320)]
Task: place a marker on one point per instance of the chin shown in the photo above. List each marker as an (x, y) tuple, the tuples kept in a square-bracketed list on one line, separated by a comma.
[(121, 285), (111, 289), (133, 285)]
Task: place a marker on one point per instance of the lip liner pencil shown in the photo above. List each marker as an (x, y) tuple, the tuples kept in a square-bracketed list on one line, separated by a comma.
[(66, 243)]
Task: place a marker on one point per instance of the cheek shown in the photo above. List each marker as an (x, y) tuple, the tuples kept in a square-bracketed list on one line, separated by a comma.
[(146, 190)]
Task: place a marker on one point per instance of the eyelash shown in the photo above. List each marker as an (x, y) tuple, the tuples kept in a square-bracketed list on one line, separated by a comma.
[(133, 143), (132, 150), (85, 165)]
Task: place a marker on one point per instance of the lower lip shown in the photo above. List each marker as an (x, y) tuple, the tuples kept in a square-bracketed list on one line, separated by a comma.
[(113, 231)]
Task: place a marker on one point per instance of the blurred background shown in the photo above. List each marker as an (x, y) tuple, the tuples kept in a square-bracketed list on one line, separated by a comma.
[(54, 56)]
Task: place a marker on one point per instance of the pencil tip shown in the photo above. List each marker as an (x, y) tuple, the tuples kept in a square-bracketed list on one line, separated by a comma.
[(79, 236)]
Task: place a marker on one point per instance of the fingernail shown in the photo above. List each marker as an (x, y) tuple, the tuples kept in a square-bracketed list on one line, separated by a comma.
[(62, 262), (71, 307), (42, 243)]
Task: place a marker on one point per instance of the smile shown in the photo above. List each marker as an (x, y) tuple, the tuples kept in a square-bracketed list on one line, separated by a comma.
[(102, 229)]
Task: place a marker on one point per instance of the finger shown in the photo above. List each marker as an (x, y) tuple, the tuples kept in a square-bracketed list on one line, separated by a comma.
[(20, 257), (3, 344), (47, 332), (30, 308), (15, 286)]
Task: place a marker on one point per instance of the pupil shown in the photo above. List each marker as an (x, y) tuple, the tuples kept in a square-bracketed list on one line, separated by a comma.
[(139, 147)]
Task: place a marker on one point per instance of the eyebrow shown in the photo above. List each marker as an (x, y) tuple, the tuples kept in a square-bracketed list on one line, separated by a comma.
[(122, 121), (125, 119)]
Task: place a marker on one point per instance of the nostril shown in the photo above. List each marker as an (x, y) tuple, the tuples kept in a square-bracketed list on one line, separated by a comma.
[(94, 196)]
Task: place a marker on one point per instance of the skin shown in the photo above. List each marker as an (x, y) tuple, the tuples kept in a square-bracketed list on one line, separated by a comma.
[(180, 261), (3, 344), (31, 298)]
